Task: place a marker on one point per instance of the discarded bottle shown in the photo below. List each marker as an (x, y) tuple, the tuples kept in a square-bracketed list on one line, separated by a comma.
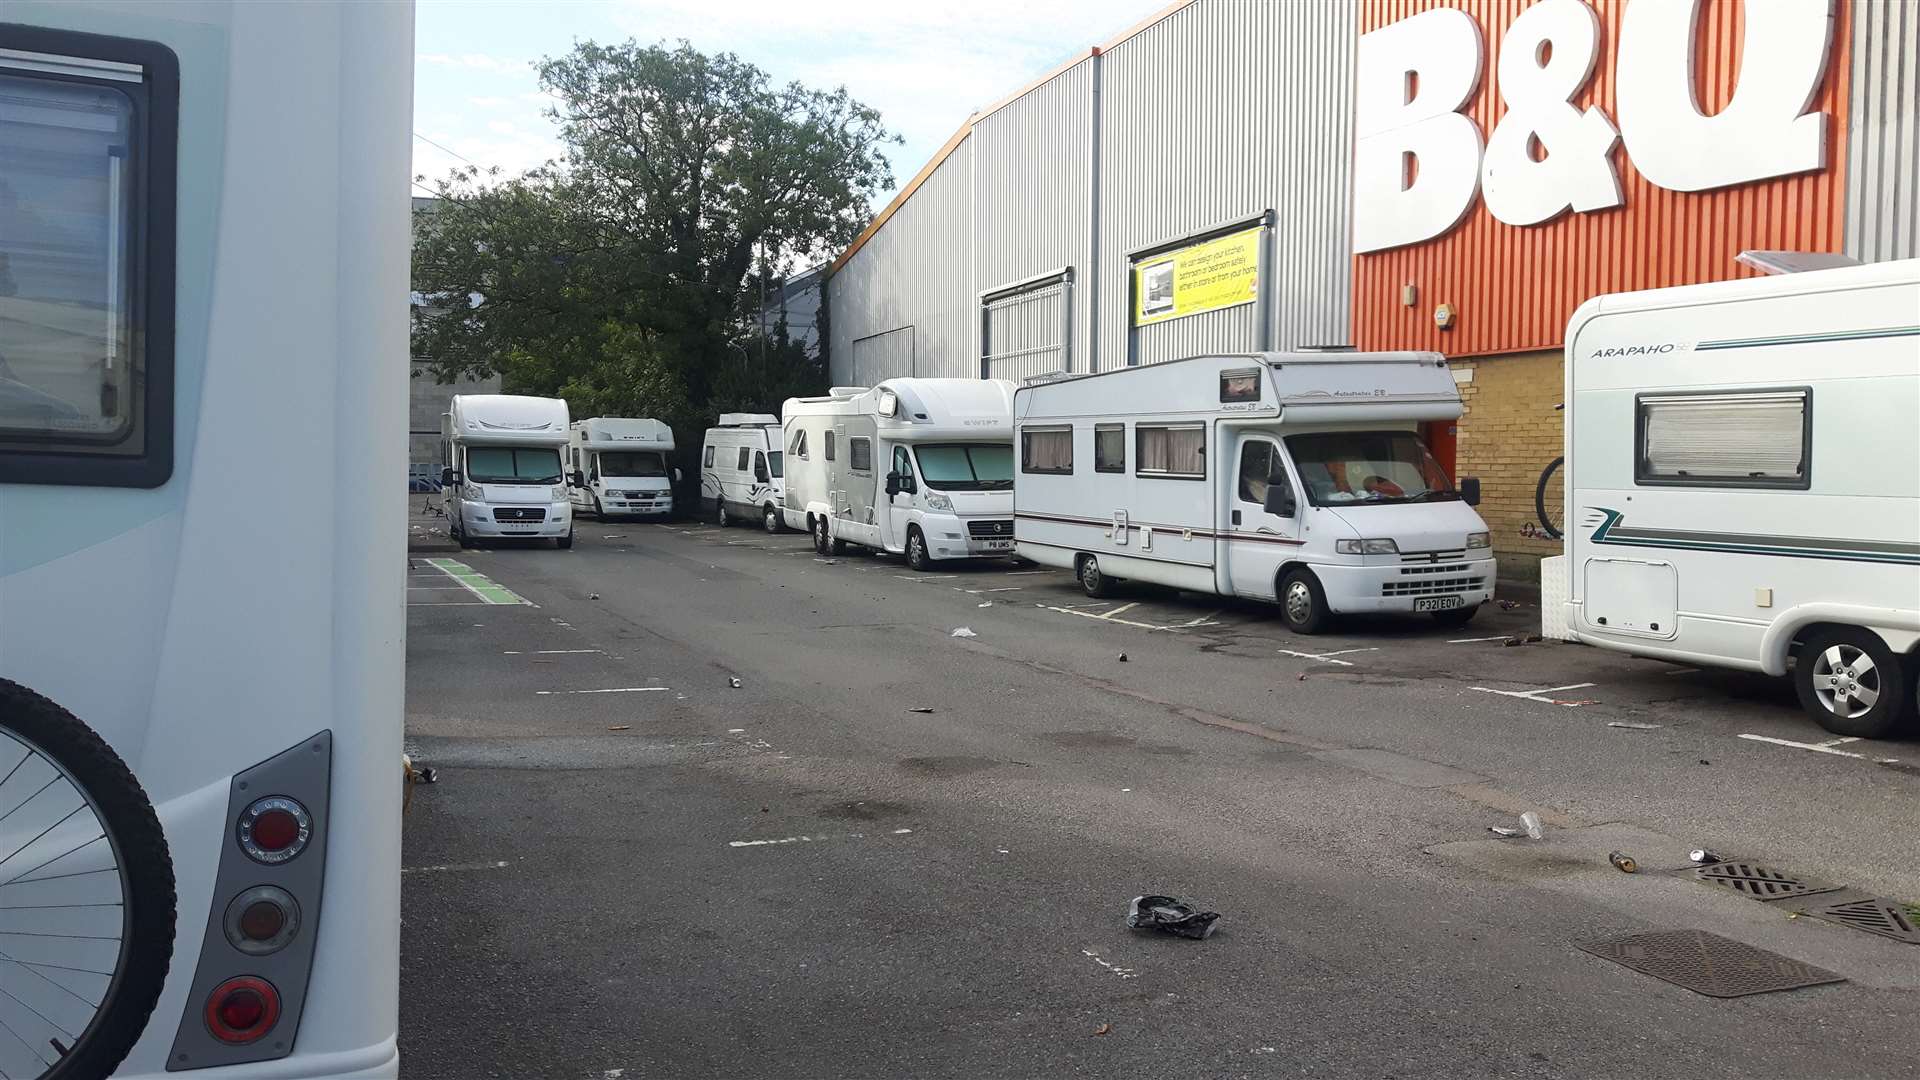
[(1703, 856), (1532, 822), (1623, 862)]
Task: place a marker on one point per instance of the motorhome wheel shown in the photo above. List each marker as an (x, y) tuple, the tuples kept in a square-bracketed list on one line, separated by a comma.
[(597, 512), (1302, 602), (1851, 683), (917, 550), (770, 518), (1092, 581), (564, 543), (720, 515)]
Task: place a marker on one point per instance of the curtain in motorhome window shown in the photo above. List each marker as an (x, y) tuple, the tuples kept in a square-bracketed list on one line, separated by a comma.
[(1046, 450), (860, 454), (1757, 439), (1170, 451), (1109, 448)]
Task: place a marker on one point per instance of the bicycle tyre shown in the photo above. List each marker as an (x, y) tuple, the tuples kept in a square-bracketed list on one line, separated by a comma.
[(148, 902), (1540, 498)]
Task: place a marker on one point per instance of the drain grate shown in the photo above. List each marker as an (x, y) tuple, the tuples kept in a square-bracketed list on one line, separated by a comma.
[(1708, 963), (1887, 918), (1760, 882)]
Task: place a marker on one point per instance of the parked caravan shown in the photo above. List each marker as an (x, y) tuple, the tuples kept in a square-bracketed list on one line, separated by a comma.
[(1292, 477), (740, 470), (503, 475), (619, 467), (1743, 483), (917, 467)]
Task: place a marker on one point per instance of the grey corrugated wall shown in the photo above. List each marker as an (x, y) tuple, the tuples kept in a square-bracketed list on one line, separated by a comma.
[(1220, 112), (1030, 189), (915, 271), (1883, 132)]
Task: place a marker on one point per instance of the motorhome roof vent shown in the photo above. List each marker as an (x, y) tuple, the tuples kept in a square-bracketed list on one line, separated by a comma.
[(748, 419), (842, 393)]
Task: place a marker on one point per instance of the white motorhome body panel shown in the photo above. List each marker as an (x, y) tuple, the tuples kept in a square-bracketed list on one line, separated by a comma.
[(1830, 521), (741, 466), (609, 485), (1200, 527), (499, 445)]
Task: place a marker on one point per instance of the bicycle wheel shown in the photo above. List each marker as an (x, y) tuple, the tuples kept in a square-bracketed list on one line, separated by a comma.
[(1540, 498), (86, 897)]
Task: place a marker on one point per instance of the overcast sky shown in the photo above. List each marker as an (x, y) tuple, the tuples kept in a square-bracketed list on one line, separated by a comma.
[(925, 64)]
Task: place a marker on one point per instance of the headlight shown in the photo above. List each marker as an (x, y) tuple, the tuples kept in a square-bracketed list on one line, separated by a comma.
[(474, 492), (559, 492), (1366, 547), (1479, 540), (937, 501)]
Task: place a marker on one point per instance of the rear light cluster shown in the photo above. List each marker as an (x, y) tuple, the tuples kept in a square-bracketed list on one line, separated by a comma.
[(261, 920)]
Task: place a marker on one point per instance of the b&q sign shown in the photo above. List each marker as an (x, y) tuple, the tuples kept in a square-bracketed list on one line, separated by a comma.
[(1419, 161)]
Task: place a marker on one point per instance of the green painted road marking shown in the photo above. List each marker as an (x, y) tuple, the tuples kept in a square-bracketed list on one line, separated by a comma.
[(478, 583)]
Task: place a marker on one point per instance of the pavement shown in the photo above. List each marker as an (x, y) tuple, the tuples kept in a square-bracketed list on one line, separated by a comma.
[(427, 525), (712, 805)]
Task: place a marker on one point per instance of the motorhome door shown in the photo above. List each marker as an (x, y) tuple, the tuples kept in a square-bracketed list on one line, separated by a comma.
[(1261, 529)]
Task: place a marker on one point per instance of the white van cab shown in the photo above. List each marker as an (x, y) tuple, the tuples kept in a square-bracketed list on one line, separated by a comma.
[(619, 467), (1292, 477), (740, 470), (917, 467), (503, 475)]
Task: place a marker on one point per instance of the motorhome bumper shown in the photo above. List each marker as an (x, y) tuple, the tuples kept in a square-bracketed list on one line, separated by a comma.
[(483, 520), (1402, 588)]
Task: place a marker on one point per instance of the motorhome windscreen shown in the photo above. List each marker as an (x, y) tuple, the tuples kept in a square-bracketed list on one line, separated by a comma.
[(967, 467), (776, 463), (513, 465), (632, 463), (1366, 468)]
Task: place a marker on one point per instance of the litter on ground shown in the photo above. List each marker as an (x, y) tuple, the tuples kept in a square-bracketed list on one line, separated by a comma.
[(1171, 916)]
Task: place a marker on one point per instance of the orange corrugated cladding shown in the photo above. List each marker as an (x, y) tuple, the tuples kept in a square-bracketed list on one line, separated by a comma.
[(1514, 288)]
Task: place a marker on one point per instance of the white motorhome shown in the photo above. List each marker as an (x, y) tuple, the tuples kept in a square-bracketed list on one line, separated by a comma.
[(1743, 482), (503, 476), (619, 467), (919, 467), (1293, 477), (740, 470)]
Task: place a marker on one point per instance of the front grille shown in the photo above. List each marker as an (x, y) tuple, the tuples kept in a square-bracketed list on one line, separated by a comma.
[(990, 530), (519, 515), (1432, 556), (1432, 586), (1437, 568)]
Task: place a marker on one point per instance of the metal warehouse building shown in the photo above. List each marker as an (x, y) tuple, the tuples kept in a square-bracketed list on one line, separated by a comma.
[(1459, 175)]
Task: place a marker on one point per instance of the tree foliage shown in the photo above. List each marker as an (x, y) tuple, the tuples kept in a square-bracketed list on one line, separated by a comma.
[(624, 276)]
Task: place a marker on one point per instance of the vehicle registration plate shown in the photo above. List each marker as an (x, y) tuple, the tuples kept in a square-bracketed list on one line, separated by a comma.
[(1436, 603), (999, 545)]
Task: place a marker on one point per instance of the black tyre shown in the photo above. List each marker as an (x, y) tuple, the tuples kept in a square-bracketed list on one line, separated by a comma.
[(770, 519), (1459, 616), (720, 515), (820, 535), (1092, 581), (917, 557), (565, 543), (460, 534), (597, 512), (43, 744), (1851, 683), (1540, 498), (1303, 604)]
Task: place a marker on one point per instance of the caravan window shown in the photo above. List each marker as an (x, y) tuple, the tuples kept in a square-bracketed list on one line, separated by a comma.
[(744, 458), (86, 264), (774, 462), (1760, 438), (1109, 448), (798, 447), (860, 453), (1046, 450), (829, 446), (1173, 451), (707, 463)]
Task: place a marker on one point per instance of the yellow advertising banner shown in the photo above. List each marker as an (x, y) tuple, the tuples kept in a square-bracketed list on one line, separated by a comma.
[(1208, 276)]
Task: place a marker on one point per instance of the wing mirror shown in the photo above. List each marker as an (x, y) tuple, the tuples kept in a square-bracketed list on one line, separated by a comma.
[(1280, 501), (449, 477), (676, 475), (893, 484), (1470, 490)]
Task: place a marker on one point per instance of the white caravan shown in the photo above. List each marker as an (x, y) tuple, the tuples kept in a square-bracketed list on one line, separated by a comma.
[(917, 467), (503, 476), (740, 470), (618, 467), (1743, 482), (1298, 477)]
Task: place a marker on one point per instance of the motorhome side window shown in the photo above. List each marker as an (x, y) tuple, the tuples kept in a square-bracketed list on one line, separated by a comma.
[(707, 463), (1239, 386), (1173, 451), (829, 446), (1258, 470), (1759, 438), (1109, 448), (798, 448), (1046, 450), (860, 454), (86, 264)]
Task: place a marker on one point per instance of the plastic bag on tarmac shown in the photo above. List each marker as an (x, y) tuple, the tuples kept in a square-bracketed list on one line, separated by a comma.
[(1168, 915)]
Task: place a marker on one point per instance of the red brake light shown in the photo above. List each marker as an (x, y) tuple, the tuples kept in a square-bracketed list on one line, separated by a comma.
[(274, 829), (243, 1009)]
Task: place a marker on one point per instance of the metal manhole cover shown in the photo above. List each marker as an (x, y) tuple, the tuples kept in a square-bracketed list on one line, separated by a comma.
[(1708, 963), (1888, 918), (1760, 882)]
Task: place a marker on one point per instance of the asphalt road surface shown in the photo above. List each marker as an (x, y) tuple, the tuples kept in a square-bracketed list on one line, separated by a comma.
[(711, 806)]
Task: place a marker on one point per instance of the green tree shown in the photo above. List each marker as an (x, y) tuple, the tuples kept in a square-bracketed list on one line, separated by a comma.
[(618, 277)]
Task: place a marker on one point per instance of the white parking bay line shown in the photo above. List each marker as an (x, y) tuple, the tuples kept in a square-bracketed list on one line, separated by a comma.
[(1822, 748), (1469, 640), (807, 839), (1328, 657), (545, 652), (611, 690), (1030, 573), (500, 865), (1537, 695)]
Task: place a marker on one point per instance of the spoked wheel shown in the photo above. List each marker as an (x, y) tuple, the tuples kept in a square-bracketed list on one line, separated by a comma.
[(917, 557), (770, 519), (86, 897), (1851, 683)]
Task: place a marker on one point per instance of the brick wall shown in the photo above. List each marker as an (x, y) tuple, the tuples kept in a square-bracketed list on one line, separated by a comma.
[(1509, 433)]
